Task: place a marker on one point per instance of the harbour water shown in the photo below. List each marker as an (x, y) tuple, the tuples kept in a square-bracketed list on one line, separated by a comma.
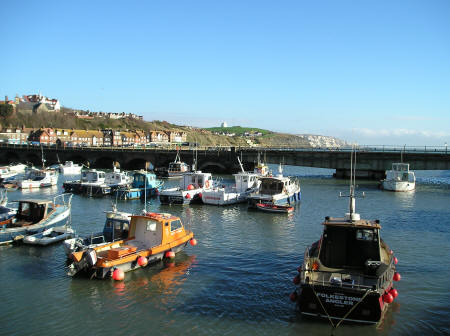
[(237, 280)]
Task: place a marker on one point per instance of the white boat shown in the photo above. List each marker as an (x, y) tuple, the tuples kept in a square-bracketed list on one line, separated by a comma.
[(274, 208), (177, 168), (17, 167), (399, 178), (245, 184), (39, 179), (113, 181), (50, 236), (276, 190), (89, 178), (5, 172), (190, 190), (70, 168)]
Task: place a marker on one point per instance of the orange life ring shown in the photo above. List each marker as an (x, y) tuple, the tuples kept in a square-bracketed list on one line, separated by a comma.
[(207, 184)]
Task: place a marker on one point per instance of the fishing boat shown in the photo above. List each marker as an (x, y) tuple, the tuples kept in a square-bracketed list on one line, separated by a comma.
[(348, 274), (245, 184), (116, 228), (34, 216), (39, 179), (177, 168), (276, 190), (144, 184), (399, 178), (70, 168), (152, 237), (113, 181), (89, 178), (190, 189), (50, 236), (267, 207)]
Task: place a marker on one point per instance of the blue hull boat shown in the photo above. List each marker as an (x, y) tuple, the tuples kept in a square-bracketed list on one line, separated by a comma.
[(144, 184)]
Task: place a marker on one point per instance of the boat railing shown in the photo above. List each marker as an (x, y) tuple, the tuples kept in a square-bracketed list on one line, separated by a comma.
[(339, 279), (63, 199)]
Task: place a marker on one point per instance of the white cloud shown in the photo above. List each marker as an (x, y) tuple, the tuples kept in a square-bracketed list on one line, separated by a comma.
[(399, 132)]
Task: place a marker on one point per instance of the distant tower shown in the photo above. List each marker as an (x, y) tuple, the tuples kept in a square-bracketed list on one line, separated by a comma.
[(224, 124)]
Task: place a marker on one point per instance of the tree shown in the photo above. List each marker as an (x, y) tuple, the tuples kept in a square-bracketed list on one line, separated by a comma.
[(6, 111)]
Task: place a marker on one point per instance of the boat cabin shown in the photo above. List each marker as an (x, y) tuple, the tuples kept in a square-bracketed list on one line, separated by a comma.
[(349, 244), (245, 181), (92, 176), (116, 226), (177, 167), (273, 186), (116, 177), (31, 212), (142, 179), (400, 172), (197, 179)]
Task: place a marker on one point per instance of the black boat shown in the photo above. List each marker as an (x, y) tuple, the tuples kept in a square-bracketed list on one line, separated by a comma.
[(348, 274)]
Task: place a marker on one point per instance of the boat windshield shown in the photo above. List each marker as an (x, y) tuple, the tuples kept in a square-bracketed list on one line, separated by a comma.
[(349, 247), (30, 212), (271, 187)]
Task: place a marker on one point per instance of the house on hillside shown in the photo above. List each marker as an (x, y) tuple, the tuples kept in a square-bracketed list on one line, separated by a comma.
[(43, 136), (159, 136), (15, 135), (177, 136)]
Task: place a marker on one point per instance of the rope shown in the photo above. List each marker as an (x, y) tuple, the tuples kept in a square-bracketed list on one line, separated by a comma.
[(329, 318), (348, 313)]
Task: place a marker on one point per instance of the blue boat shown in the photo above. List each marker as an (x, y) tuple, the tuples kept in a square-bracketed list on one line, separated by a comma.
[(144, 184), (34, 216)]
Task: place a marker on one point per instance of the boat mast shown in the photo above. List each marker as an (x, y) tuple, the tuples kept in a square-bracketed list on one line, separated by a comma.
[(240, 164)]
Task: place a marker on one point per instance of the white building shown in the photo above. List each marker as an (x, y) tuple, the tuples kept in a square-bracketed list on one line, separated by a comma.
[(224, 124)]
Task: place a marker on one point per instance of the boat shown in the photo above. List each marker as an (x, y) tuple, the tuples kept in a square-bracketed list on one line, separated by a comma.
[(89, 178), (267, 207), (17, 167), (176, 169), (190, 189), (276, 190), (70, 168), (347, 275), (116, 228), (6, 173), (245, 184), (143, 184), (6, 213), (39, 178), (49, 236), (399, 178), (152, 237), (34, 216)]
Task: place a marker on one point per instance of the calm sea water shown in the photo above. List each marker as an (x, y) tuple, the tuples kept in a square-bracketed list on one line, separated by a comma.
[(237, 280)]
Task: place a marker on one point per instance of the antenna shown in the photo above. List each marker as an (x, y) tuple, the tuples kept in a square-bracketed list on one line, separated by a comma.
[(240, 164), (352, 215)]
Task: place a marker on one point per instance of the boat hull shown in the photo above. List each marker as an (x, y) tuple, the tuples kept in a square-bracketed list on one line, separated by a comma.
[(9, 235), (223, 198), (336, 303), (181, 197), (398, 185), (283, 199), (49, 236)]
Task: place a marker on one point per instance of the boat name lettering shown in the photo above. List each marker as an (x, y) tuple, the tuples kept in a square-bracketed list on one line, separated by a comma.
[(339, 299), (212, 198)]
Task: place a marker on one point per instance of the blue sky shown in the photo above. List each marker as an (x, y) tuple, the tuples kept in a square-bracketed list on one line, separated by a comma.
[(374, 72)]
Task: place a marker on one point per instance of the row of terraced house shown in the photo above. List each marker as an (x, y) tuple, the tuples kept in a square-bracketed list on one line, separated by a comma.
[(77, 138)]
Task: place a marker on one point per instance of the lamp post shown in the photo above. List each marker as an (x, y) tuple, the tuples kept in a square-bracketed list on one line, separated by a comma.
[(445, 148)]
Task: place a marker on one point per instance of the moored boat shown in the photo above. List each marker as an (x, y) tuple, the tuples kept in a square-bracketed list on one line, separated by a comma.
[(115, 228), (348, 274), (38, 179), (177, 168), (34, 216), (144, 184), (89, 178), (276, 190), (50, 236), (268, 207), (152, 236), (70, 168), (399, 178), (6, 173)]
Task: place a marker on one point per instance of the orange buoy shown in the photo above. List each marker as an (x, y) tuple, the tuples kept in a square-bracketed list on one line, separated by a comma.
[(393, 292), (397, 276), (395, 260), (142, 261), (118, 274), (193, 242), (296, 280), (293, 296), (170, 254), (388, 298), (187, 196), (190, 187)]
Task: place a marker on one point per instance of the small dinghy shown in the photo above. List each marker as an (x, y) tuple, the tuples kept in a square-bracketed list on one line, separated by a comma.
[(50, 236), (274, 208)]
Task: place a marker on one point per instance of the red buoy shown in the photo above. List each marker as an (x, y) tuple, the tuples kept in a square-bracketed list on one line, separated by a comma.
[(118, 275), (187, 196), (293, 296), (388, 298), (395, 260), (170, 254), (296, 280), (200, 195), (397, 276), (142, 261), (193, 242), (190, 187), (393, 292)]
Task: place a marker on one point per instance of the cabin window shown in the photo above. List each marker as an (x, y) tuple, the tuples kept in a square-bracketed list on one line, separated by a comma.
[(175, 225), (244, 179), (366, 235), (151, 226)]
